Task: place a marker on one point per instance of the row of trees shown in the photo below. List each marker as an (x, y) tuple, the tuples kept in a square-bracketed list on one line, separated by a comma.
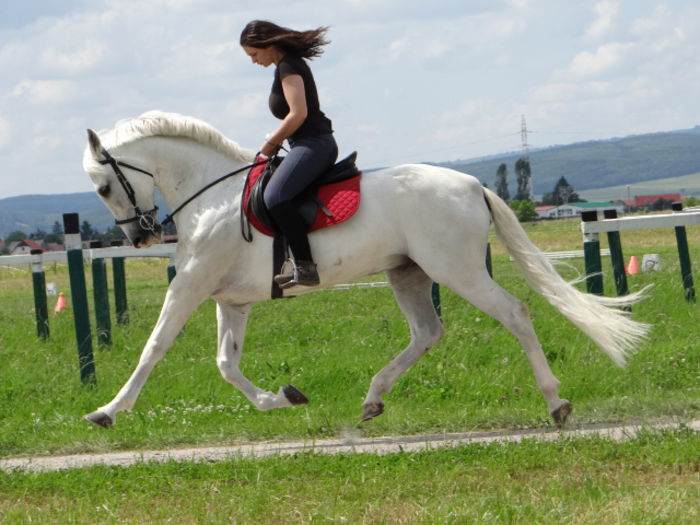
[(87, 232), (523, 203)]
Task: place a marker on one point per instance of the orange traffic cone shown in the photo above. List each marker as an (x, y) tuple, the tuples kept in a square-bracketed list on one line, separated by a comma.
[(632, 267), (60, 303)]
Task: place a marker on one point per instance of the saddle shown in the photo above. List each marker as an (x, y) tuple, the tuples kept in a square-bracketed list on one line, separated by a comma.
[(333, 198)]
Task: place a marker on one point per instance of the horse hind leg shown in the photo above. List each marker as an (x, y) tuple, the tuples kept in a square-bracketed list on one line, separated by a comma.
[(412, 289), (490, 298)]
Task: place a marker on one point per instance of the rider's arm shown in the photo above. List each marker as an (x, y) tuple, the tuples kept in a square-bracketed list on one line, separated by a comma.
[(294, 94)]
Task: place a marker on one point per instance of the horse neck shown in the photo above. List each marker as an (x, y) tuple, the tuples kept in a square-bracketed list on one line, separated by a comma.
[(184, 167)]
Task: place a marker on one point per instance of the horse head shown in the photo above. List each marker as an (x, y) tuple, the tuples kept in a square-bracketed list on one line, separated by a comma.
[(126, 190)]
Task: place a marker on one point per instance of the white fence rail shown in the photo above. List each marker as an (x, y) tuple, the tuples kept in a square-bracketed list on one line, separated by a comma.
[(168, 250), (157, 250), (643, 222)]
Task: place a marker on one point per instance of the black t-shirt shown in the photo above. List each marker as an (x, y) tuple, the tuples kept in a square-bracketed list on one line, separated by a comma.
[(316, 123)]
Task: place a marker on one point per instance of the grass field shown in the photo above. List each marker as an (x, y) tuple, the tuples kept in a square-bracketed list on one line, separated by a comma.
[(650, 480), (329, 344)]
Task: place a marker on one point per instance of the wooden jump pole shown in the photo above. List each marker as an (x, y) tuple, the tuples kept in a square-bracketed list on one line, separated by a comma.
[(591, 256), (119, 275), (76, 272), (616, 257), (100, 293), (40, 305), (684, 258)]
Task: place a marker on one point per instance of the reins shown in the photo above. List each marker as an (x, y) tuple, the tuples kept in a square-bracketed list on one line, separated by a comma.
[(147, 220), (169, 218)]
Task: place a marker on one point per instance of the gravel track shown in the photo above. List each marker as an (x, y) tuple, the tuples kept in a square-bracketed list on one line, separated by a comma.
[(379, 445)]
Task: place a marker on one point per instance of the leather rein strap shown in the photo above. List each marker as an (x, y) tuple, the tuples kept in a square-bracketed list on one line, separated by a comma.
[(147, 220), (169, 218)]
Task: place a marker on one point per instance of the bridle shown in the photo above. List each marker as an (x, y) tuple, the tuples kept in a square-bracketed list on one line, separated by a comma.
[(147, 219)]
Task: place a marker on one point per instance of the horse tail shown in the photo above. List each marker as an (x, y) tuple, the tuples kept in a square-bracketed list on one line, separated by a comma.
[(600, 318)]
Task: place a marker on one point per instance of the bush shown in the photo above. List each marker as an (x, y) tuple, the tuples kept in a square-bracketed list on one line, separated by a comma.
[(524, 210)]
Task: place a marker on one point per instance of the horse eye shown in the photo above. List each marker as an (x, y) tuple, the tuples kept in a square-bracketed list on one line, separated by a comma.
[(104, 190)]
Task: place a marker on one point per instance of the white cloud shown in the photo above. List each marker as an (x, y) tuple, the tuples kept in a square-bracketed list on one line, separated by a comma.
[(558, 92), (44, 91), (604, 58), (80, 58), (652, 24), (606, 11), (403, 80)]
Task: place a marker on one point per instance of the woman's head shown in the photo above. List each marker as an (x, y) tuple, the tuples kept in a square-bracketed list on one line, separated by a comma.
[(261, 34)]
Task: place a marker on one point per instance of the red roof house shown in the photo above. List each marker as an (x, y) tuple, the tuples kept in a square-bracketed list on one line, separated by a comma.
[(649, 200), (24, 247)]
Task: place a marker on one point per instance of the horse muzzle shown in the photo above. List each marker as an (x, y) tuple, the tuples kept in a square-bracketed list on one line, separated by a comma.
[(143, 229)]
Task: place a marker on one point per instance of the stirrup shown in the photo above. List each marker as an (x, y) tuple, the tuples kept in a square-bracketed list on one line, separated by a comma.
[(303, 273), (286, 272)]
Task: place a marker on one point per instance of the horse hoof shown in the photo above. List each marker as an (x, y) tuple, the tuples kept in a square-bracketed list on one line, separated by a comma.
[(371, 410), (100, 419), (560, 414), (294, 396)]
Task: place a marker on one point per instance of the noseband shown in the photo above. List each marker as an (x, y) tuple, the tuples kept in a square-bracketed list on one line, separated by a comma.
[(146, 219)]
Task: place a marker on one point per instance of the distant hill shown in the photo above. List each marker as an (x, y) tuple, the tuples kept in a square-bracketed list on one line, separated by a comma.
[(587, 166), (598, 164), (28, 213)]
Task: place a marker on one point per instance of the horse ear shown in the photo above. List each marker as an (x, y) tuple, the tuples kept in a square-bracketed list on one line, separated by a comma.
[(95, 144)]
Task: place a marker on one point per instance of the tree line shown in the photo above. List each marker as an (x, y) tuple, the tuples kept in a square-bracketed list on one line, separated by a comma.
[(523, 203), (56, 235)]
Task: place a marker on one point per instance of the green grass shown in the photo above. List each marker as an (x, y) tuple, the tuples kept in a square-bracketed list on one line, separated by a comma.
[(652, 479), (329, 344)]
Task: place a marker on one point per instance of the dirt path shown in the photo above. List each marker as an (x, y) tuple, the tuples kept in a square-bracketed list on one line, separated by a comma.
[(381, 445)]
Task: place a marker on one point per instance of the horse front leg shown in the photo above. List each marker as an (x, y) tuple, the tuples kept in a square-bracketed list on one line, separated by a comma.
[(177, 307), (232, 322)]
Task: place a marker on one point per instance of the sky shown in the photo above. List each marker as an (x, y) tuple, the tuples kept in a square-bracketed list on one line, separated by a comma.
[(402, 80)]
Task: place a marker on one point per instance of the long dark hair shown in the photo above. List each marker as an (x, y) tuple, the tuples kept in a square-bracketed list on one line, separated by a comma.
[(306, 44)]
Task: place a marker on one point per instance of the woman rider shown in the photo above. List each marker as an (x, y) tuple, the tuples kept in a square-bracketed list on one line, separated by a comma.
[(313, 150)]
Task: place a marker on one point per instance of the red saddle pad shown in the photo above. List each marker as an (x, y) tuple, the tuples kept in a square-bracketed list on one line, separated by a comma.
[(340, 198)]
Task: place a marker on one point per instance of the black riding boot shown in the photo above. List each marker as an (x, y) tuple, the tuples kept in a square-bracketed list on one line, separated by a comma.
[(301, 270)]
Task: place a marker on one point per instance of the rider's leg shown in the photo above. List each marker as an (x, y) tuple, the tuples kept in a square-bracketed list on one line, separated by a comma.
[(305, 162)]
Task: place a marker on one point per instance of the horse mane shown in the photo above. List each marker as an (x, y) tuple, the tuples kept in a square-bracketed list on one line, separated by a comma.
[(162, 124)]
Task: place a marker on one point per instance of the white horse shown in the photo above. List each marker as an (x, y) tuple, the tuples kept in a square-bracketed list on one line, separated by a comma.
[(420, 224)]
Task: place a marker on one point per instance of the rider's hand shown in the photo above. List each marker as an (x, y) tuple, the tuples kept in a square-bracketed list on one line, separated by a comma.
[(269, 149)]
